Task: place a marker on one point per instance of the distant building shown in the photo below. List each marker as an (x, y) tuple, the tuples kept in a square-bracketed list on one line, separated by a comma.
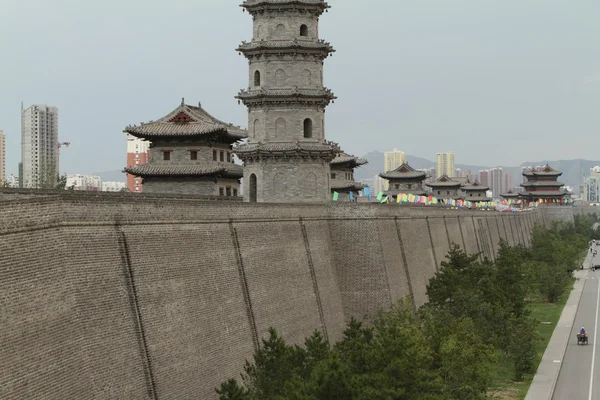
[(137, 154), (378, 184), (113, 186), (90, 183), (510, 195), (475, 192), (190, 153), (591, 185), (2, 157), (445, 164), (39, 146), (13, 181), (342, 176), (542, 184), (404, 180), (391, 161)]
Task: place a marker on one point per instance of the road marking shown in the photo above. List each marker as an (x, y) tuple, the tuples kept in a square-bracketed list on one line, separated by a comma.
[(594, 345)]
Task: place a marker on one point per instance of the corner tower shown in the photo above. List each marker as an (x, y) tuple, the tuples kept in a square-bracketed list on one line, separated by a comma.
[(287, 157)]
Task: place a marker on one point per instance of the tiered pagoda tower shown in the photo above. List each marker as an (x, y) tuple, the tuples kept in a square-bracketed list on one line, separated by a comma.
[(190, 153), (287, 157), (342, 176), (405, 180), (542, 184)]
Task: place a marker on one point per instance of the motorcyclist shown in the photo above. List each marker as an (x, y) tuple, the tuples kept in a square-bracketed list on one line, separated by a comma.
[(582, 332)]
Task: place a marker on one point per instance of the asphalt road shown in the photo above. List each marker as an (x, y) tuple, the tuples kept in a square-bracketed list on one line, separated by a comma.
[(579, 377)]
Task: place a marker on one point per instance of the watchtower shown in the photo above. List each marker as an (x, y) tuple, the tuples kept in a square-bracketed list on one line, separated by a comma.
[(287, 157)]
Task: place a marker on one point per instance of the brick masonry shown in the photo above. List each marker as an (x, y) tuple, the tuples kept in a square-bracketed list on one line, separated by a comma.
[(148, 297)]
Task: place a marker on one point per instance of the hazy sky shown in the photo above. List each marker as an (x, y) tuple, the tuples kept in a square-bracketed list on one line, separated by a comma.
[(495, 81)]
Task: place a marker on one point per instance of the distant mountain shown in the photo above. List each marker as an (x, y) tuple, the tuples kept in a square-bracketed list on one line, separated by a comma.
[(573, 170)]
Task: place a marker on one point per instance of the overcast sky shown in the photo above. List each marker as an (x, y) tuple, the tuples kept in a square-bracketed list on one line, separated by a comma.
[(498, 82)]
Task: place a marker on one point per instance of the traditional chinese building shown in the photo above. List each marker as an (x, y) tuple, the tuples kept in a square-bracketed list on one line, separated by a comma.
[(510, 195), (542, 184), (405, 180), (342, 176), (190, 153), (287, 157), (475, 192), (445, 188)]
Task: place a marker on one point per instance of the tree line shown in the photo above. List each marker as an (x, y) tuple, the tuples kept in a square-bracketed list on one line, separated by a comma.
[(477, 316)]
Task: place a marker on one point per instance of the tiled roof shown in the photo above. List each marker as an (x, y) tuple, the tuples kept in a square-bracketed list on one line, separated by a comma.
[(444, 181), (510, 194), (144, 170), (544, 171), (475, 199), (542, 183), (404, 171), (186, 121), (475, 186), (345, 185), (544, 193), (259, 2), (285, 147), (286, 44), (344, 158), (288, 92)]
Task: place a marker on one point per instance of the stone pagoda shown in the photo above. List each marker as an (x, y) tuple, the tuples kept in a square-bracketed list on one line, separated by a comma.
[(405, 180), (287, 157), (342, 176), (475, 192), (190, 153), (445, 187), (542, 184)]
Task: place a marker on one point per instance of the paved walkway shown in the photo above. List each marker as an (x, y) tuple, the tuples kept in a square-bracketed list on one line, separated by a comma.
[(545, 380)]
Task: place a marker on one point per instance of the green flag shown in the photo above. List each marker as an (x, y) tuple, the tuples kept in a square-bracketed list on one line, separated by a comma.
[(380, 196), (335, 196), (385, 200)]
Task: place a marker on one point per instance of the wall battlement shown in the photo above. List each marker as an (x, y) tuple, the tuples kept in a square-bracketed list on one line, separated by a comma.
[(140, 297)]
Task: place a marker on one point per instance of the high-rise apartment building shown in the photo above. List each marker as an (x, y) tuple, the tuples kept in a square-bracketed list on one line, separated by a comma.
[(2, 158), (591, 186), (39, 146), (445, 164), (391, 161), (137, 154)]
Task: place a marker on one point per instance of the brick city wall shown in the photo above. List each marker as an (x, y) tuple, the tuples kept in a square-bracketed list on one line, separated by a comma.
[(148, 297)]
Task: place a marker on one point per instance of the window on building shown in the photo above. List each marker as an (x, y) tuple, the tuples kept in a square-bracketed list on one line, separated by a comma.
[(470, 194), (228, 157), (308, 128), (332, 176), (439, 192), (397, 186), (221, 191), (303, 30), (214, 155), (193, 155), (409, 186), (257, 78), (222, 156), (234, 192), (228, 191), (448, 192), (166, 155)]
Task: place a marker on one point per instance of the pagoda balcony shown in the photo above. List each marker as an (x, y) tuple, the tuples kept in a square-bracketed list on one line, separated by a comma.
[(320, 47)]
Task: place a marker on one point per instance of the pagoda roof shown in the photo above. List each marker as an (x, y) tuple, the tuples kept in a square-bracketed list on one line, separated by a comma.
[(352, 161), (286, 44), (542, 183), (444, 181), (286, 148), (345, 185), (147, 170), (404, 171), (545, 193), (544, 171), (186, 121), (321, 4), (475, 186), (289, 92)]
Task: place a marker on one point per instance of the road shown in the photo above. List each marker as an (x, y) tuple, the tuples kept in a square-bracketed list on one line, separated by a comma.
[(579, 377)]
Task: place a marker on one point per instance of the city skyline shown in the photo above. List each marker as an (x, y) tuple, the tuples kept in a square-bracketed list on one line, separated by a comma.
[(505, 99)]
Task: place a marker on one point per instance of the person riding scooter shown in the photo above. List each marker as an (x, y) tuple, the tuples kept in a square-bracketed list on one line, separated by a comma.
[(582, 332)]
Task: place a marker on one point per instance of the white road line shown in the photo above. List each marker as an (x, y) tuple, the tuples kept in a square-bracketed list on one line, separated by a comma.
[(594, 345)]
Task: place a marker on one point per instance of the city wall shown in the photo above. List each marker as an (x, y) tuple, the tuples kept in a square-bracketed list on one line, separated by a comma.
[(121, 297)]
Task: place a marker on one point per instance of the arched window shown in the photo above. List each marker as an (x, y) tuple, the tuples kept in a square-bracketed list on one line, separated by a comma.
[(257, 78), (280, 77), (252, 189), (308, 128), (307, 77), (256, 127), (259, 32), (303, 30), (280, 29), (280, 127)]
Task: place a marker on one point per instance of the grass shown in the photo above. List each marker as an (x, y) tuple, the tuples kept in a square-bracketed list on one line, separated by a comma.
[(504, 387)]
